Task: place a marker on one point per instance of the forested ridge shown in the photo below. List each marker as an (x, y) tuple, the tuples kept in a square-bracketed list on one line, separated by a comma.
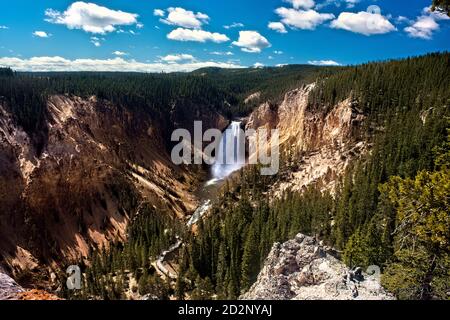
[(370, 218), (161, 96)]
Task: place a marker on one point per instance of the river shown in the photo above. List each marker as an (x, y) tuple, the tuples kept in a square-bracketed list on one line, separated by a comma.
[(230, 158)]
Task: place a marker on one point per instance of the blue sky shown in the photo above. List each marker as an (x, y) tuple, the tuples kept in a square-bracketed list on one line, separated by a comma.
[(173, 35)]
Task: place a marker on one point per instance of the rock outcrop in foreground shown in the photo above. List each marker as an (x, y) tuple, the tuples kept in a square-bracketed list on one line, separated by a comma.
[(302, 269), (10, 290)]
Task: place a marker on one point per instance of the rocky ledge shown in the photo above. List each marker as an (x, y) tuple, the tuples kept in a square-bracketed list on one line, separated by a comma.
[(303, 269), (9, 289)]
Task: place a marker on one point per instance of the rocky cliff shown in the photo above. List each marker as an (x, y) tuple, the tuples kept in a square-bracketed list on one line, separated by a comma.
[(303, 269), (317, 144), (10, 290), (100, 161)]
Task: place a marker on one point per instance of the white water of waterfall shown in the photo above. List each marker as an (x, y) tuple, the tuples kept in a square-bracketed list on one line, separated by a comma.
[(230, 155)]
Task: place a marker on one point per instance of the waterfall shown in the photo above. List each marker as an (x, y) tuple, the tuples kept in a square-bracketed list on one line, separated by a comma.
[(230, 155)]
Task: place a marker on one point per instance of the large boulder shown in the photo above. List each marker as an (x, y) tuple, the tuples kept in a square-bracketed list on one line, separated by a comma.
[(303, 269), (9, 289)]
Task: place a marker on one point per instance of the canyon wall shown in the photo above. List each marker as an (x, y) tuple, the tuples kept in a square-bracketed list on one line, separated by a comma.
[(317, 144), (79, 192)]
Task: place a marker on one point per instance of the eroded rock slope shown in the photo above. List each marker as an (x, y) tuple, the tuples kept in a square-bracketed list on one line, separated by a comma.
[(303, 269)]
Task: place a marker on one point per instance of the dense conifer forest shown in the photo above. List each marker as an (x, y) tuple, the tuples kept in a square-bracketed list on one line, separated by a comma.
[(390, 209), (378, 215)]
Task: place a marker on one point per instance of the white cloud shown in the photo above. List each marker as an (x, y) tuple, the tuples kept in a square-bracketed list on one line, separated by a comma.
[(171, 58), (96, 41), (184, 18), (119, 53), (139, 25), (4, 27), (258, 65), (351, 3), (302, 19), (159, 13), (220, 53), (91, 17), (426, 24), (423, 28), (251, 41), (280, 65), (348, 3), (402, 19), (324, 63), (363, 22), (41, 34), (277, 26), (197, 35), (305, 4), (117, 64), (278, 52), (234, 25)]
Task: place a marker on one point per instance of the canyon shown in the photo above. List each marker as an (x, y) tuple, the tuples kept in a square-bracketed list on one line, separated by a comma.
[(108, 160), (81, 191), (87, 178)]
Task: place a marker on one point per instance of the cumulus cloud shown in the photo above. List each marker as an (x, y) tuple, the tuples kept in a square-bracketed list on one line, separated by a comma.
[(426, 24), (324, 63), (351, 3), (184, 18), (117, 64), (363, 22), (96, 41), (4, 27), (305, 4), (234, 25), (422, 28), (277, 26), (347, 3), (171, 58), (196, 35), (302, 19), (90, 17), (278, 52), (258, 65), (119, 53), (221, 53), (159, 13), (402, 19), (251, 41), (41, 34)]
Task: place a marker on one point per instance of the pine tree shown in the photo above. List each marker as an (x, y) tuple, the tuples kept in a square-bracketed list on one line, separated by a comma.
[(422, 235), (203, 289), (250, 260)]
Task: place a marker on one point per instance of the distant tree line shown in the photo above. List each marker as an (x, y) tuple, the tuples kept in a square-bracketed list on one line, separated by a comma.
[(165, 97)]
